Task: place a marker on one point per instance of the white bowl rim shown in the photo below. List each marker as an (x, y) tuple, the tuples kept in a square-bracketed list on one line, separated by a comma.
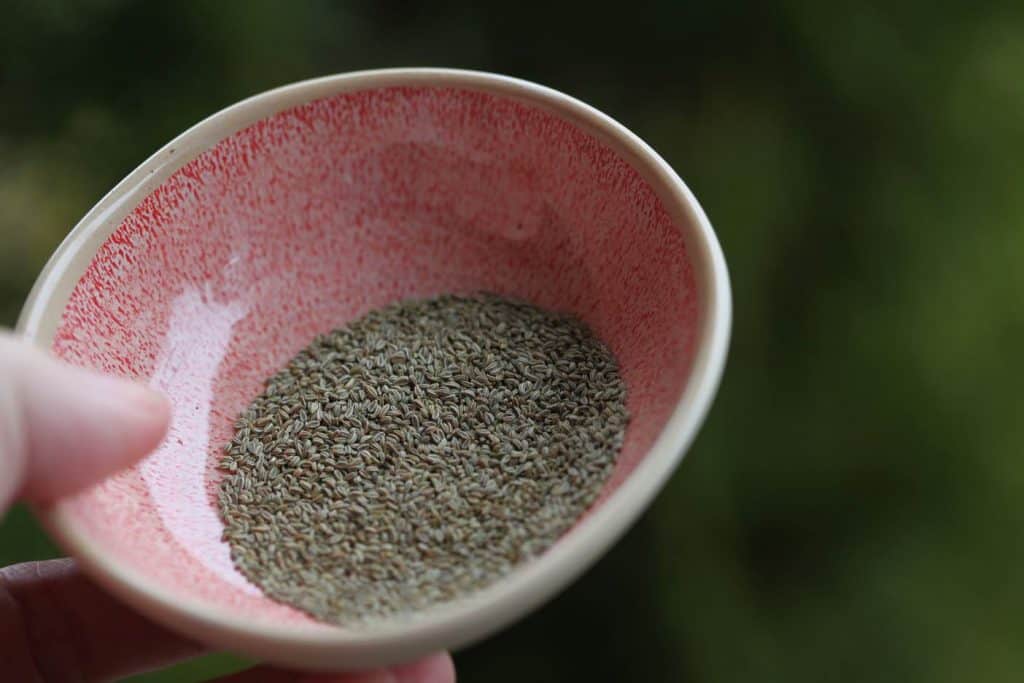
[(461, 622)]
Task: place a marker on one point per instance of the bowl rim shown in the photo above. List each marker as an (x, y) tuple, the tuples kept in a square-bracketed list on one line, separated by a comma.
[(463, 621)]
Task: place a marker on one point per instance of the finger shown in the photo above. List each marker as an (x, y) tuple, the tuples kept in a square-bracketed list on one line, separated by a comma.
[(64, 428), (436, 668), (57, 626)]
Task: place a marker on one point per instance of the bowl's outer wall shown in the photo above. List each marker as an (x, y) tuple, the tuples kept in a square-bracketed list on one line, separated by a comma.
[(207, 267)]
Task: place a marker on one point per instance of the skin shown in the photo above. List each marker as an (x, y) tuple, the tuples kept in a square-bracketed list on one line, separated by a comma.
[(63, 429)]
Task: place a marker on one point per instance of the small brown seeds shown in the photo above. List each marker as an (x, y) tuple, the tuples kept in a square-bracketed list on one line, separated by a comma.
[(418, 454)]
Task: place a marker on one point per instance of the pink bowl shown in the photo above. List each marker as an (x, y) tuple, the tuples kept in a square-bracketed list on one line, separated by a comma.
[(297, 210)]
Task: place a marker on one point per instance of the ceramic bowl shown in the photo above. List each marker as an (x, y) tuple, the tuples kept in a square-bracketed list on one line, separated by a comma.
[(299, 209)]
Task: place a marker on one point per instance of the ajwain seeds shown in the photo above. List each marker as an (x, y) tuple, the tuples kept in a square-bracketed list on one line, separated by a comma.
[(418, 454)]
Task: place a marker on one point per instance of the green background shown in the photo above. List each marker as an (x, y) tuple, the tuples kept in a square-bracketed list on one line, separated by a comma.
[(854, 507)]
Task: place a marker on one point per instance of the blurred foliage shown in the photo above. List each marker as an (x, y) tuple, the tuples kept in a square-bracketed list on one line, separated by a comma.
[(853, 508)]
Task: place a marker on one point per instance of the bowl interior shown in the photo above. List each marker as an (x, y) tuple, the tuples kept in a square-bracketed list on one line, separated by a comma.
[(311, 217)]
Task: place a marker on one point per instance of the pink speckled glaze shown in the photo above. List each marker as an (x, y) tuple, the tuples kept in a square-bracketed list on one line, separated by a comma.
[(309, 219), (290, 226)]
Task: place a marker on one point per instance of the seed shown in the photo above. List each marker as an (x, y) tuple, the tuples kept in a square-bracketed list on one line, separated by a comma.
[(419, 454)]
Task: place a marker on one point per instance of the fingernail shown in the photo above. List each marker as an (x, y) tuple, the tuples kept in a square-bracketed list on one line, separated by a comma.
[(434, 669), (150, 398), (129, 395)]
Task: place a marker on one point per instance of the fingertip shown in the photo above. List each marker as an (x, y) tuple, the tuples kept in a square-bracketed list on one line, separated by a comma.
[(82, 426), (146, 417), (437, 668)]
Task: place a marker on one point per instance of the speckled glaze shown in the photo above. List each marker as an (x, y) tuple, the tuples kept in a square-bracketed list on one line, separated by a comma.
[(302, 208)]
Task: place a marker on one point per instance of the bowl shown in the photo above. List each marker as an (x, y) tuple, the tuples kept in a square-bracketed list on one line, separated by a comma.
[(297, 210)]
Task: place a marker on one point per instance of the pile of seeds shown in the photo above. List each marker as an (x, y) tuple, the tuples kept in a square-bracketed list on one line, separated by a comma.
[(418, 454)]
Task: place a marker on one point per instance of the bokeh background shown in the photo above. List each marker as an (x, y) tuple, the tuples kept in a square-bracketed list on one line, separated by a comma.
[(853, 509)]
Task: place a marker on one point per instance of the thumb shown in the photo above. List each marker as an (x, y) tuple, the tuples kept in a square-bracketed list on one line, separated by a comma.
[(64, 428)]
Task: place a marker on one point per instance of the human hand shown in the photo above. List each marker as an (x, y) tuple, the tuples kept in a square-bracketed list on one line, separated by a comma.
[(62, 429)]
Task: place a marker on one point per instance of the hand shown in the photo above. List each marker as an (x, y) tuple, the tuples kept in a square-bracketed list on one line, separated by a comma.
[(62, 429)]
